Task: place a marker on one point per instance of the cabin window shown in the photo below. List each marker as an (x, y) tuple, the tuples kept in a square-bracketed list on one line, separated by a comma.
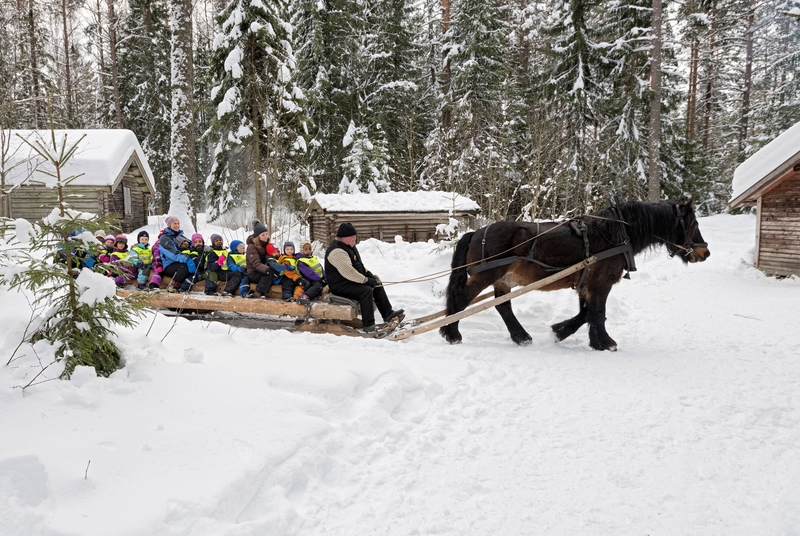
[(126, 197)]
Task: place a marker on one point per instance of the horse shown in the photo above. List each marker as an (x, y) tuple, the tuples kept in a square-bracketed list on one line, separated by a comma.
[(508, 253)]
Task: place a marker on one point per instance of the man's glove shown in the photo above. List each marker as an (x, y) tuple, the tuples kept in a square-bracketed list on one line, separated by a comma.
[(192, 266), (371, 282)]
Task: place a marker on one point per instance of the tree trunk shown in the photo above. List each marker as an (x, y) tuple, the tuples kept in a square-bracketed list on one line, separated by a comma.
[(748, 77), (38, 112), (112, 43), (654, 140), (691, 103), (102, 57), (67, 73), (445, 64), (184, 181), (709, 97)]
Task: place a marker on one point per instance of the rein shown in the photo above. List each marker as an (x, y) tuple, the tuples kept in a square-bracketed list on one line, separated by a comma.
[(624, 248)]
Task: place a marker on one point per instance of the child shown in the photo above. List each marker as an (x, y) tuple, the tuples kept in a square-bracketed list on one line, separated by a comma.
[(221, 267), (155, 279), (185, 247), (237, 262), (201, 256), (312, 273), (119, 257), (107, 249), (291, 288), (141, 258)]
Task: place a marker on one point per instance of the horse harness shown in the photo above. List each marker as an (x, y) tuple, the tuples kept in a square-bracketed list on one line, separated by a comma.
[(578, 226), (682, 224)]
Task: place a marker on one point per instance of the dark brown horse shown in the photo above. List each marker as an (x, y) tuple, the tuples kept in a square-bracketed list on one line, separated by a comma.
[(553, 245)]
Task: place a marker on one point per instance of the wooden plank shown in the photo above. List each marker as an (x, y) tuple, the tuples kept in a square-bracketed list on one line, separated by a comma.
[(201, 302), (424, 328)]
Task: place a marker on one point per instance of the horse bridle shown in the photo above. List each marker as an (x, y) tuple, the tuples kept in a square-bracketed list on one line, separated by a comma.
[(680, 223)]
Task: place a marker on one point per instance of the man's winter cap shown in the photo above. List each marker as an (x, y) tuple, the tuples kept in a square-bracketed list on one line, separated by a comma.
[(235, 246), (122, 238), (195, 236), (346, 229), (141, 234), (215, 237), (169, 219), (109, 237), (288, 244), (259, 228)]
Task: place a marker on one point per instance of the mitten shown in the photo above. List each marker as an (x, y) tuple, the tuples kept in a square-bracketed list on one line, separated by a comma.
[(221, 260)]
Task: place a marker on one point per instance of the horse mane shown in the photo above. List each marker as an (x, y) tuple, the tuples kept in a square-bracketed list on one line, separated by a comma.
[(648, 224)]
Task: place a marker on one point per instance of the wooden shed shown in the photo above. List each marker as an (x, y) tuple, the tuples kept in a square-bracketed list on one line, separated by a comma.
[(412, 215), (114, 176), (770, 180)]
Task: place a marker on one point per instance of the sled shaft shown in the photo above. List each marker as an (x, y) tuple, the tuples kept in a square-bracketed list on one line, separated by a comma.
[(430, 326)]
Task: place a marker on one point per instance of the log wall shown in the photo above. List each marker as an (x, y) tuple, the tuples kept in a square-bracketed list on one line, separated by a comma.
[(35, 202), (778, 236)]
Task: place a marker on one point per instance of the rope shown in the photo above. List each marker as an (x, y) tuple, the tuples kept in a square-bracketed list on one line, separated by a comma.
[(442, 273)]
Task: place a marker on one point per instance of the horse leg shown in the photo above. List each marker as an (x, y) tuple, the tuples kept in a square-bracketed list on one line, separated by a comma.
[(457, 302), (518, 333), (599, 339), (564, 329)]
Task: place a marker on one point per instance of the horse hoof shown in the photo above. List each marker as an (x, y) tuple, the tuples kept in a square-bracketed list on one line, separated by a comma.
[(612, 348), (522, 341)]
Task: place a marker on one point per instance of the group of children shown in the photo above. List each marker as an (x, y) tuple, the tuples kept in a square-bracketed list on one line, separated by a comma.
[(300, 275)]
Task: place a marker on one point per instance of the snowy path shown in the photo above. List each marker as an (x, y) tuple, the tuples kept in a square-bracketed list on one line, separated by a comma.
[(691, 428)]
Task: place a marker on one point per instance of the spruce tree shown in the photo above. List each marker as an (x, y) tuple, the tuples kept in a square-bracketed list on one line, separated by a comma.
[(257, 105), (144, 68), (53, 260)]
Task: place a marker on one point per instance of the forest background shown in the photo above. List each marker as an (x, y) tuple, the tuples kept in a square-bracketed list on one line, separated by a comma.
[(534, 109)]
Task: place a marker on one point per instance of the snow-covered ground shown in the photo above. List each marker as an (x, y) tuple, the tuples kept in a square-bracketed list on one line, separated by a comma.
[(692, 427)]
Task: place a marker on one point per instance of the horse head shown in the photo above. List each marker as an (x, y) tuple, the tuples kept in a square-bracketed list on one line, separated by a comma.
[(690, 244)]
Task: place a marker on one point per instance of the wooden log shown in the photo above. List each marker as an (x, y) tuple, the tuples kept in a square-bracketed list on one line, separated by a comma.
[(201, 302)]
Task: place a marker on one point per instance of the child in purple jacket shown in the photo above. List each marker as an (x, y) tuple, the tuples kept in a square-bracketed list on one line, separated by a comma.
[(312, 272)]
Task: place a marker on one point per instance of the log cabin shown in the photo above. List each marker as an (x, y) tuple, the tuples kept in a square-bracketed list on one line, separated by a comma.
[(414, 216), (770, 181), (112, 176)]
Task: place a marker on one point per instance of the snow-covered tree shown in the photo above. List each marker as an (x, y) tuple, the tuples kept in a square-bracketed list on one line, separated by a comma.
[(183, 180), (257, 105), (144, 66), (55, 260)]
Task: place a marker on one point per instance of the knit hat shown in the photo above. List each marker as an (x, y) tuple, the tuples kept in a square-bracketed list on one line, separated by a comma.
[(109, 237), (141, 234), (287, 244), (181, 239), (122, 238), (195, 236), (235, 246), (99, 233), (259, 228), (304, 243), (169, 219), (346, 229), (215, 237)]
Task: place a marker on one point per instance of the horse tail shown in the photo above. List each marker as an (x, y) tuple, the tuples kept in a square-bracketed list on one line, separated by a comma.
[(458, 276)]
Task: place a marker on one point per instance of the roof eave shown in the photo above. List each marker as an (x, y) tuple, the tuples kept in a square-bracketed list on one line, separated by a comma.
[(751, 195)]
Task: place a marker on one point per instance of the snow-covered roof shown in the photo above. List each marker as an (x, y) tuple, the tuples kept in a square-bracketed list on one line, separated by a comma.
[(396, 202), (102, 157), (768, 164)]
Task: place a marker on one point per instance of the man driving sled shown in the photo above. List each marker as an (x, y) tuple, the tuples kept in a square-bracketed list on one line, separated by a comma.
[(348, 277)]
